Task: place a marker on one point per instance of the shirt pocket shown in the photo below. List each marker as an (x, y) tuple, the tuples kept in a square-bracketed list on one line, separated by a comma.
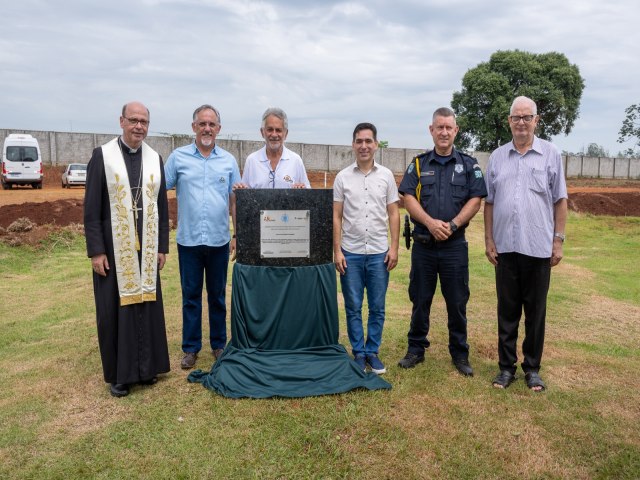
[(459, 186), (538, 180), (428, 183)]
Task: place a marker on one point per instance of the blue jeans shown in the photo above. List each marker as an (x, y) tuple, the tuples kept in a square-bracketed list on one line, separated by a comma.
[(194, 263), (370, 272)]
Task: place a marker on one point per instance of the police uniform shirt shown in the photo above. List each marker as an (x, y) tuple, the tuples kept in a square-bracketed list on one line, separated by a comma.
[(447, 187)]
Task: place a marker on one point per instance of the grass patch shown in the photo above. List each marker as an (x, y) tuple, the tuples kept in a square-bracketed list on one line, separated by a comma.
[(57, 419)]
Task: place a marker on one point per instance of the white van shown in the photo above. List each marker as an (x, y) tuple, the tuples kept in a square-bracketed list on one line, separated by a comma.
[(21, 161)]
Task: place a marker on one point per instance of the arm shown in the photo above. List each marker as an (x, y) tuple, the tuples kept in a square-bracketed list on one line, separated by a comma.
[(560, 222), (489, 244), (93, 221), (338, 257), (170, 172), (391, 258), (468, 211), (232, 211), (163, 216), (439, 229)]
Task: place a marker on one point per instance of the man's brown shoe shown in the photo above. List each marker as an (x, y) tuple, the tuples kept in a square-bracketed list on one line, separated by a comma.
[(217, 353), (189, 360)]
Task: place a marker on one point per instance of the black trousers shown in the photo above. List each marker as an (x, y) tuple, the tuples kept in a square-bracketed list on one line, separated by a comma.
[(448, 261), (522, 283)]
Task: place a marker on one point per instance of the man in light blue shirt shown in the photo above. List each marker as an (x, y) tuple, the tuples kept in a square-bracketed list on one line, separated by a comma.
[(203, 174)]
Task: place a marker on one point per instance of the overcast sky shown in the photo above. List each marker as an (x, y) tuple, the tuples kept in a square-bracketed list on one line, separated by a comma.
[(69, 66)]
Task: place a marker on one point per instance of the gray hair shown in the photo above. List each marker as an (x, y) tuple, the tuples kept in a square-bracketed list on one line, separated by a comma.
[(523, 99), (206, 107), (443, 112), (276, 112)]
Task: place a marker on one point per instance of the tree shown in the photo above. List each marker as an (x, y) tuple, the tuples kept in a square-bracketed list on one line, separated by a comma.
[(630, 129), (595, 150), (482, 106)]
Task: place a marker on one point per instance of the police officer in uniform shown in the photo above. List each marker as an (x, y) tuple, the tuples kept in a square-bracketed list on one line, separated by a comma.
[(442, 189)]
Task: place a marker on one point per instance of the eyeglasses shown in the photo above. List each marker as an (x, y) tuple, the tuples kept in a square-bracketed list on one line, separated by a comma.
[(517, 118), (206, 124), (136, 121), (272, 178)]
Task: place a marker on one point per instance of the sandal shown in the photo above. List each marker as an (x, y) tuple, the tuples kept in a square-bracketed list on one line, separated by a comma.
[(534, 380), (504, 379)]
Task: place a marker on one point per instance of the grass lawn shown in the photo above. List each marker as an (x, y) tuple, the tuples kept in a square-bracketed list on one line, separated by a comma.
[(57, 419)]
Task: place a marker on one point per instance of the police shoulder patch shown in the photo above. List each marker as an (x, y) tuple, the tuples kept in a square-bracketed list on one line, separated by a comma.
[(410, 169), (478, 173)]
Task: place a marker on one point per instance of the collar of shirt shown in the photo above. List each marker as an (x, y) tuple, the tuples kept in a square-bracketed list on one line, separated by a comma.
[(196, 151), (356, 167), (536, 146), (433, 157), (284, 156)]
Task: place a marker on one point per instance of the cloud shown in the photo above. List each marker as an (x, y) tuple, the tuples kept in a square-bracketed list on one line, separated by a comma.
[(328, 64)]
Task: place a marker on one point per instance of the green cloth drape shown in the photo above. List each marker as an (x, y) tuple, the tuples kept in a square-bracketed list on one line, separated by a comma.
[(284, 327)]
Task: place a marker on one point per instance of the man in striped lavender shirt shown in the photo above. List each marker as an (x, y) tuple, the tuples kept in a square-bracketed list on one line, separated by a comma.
[(524, 218)]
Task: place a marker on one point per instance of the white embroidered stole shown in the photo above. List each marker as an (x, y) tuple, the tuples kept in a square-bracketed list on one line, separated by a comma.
[(135, 284)]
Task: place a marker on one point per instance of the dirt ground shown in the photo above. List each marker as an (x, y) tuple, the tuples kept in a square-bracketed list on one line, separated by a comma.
[(28, 215)]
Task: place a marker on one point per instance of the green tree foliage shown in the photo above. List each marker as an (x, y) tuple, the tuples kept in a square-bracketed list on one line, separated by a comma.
[(482, 106), (595, 150), (630, 129)]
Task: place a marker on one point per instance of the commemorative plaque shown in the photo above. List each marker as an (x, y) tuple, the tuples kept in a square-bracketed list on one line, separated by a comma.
[(284, 227), (284, 233)]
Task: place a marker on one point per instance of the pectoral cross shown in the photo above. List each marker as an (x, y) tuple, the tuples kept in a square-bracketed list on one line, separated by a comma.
[(135, 210)]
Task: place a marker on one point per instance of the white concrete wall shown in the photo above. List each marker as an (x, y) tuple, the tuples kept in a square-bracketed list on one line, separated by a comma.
[(61, 148)]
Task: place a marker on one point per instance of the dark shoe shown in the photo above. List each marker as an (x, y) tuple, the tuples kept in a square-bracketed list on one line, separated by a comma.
[(463, 366), (410, 360), (151, 381), (504, 379), (361, 360), (119, 389), (534, 382), (375, 364), (189, 360), (217, 353)]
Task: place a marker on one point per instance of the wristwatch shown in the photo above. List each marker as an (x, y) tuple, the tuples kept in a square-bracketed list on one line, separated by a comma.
[(453, 226), (560, 236)]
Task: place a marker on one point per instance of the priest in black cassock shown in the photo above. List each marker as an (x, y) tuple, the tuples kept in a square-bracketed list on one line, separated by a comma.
[(126, 222)]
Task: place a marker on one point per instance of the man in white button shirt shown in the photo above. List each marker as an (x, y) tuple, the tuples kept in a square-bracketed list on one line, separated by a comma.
[(365, 199), (274, 165)]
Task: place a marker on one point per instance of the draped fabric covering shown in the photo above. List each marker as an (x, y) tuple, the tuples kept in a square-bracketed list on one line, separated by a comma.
[(284, 326)]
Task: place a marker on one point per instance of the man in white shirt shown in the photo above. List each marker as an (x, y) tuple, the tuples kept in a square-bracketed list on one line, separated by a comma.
[(274, 165), (365, 197)]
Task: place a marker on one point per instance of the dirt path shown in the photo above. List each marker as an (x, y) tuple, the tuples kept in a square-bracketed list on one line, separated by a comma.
[(58, 207)]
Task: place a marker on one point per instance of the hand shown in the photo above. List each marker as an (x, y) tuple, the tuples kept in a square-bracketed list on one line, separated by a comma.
[(491, 252), (391, 259), (239, 186), (340, 262), (232, 248), (439, 229), (100, 264), (298, 185), (162, 259), (556, 252)]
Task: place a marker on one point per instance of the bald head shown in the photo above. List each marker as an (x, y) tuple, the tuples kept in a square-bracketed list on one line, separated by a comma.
[(134, 122)]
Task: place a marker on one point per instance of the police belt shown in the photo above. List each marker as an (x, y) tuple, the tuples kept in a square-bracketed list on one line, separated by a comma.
[(428, 240)]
